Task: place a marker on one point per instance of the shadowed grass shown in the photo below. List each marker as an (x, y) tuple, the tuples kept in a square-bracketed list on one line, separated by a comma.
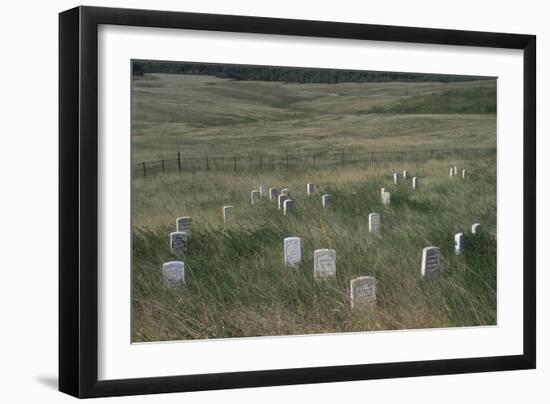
[(478, 100)]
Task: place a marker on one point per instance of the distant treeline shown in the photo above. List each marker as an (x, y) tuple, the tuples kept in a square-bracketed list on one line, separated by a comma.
[(289, 74)]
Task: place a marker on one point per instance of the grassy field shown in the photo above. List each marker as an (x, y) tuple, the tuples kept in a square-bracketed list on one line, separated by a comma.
[(201, 115), (237, 284)]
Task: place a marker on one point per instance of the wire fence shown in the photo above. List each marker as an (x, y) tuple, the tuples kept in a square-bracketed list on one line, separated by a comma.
[(290, 161)]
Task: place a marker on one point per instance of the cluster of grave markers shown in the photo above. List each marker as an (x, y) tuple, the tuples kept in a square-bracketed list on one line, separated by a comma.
[(362, 288), (431, 255), (282, 197), (174, 271), (385, 195), (397, 179), (453, 172)]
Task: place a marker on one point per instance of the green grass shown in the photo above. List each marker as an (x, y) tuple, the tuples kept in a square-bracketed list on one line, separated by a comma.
[(201, 115), (237, 284), (478, 100)]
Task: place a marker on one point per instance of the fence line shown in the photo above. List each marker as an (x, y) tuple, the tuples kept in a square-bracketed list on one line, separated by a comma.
[(301, 161)]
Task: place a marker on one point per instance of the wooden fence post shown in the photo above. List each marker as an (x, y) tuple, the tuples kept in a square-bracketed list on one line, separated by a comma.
[(434, 153)]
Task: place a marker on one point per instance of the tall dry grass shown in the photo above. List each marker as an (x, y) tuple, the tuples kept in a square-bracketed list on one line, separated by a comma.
[(237, 284)]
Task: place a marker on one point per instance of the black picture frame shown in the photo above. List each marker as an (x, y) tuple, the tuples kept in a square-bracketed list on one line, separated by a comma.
[(78, 196)]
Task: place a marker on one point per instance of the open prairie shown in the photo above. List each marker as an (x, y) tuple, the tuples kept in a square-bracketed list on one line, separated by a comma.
[(237, 284), (203, 115)]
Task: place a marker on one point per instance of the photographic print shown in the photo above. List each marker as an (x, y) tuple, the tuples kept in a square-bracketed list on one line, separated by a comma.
[(273, 201)]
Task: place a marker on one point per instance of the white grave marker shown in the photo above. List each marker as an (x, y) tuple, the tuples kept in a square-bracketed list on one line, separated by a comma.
[(273, 194), (476, 228), (451, 172), (173, 274), (178, 242), (455, 170), (385, 198), (326, 201), (382, 190), (362, 291), (463, 173), (395, 178), (374, 223), (416, 182), (292, 251), (404, 174), (430, 260), (459, 243), (282, 199), (228, 214), (184, 223), (324, 263), (255, 197), (311, 189), (288, 206), (263, 190), (285, 191)]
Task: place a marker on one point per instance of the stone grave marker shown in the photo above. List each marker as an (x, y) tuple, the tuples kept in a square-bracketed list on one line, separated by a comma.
[(416, 182), (263, 190), (292, 251), (184, 223), (385, 198), (459, 243), (382, 190), (430, 260), (288, 206), (229, 214), (395, 178), (173, 274), (273, 194), (311, 189), (455, 170), (324, 261), (178, 243), (282, 199), (285, 191), (476, 228), (404, 174), (463, 173), (374, 223), (327, 201), (255, 197), (362, 291), (451, 172)]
